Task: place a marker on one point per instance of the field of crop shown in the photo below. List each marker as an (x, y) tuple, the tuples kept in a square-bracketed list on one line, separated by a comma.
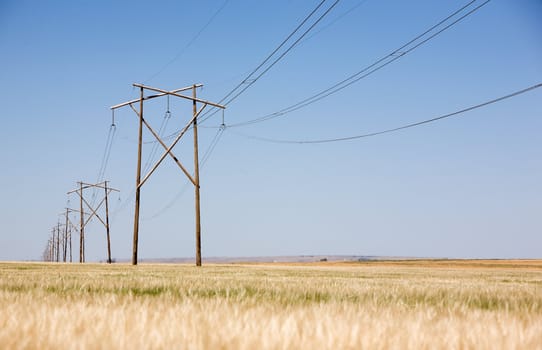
[(366, 305)]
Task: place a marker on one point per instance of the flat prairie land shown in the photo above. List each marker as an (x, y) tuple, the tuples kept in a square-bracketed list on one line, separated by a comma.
[(415, 304)]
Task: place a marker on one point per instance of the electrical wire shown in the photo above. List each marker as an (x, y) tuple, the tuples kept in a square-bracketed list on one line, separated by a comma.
[(272, 53), (107, 152), (129, 199), (339, 86), (249, 81), (105, 158), (335, 20), (386, 131), (154, 149), (212, 146), (372, 68), (282, 55), (190, 43)]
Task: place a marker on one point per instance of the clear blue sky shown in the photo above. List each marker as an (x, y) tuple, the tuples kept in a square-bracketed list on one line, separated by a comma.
[(468, 186)]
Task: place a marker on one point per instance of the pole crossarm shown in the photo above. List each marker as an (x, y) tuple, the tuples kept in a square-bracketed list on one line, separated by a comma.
[(181, 96), (99, 185), (152, 96), (70, 210), (102, 185)]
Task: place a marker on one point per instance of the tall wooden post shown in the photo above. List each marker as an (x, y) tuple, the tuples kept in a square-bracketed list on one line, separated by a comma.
[(53, 245), (107, 224), (66, 236), (138, 181), (70, 245), (58, 242), (196, 178), (51, 249), (82, 226)]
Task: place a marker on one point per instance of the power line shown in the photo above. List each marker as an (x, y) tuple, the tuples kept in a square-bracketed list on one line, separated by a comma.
[(129, 200), (272, 53), (107, 153), (407, 126), (248, 82), (192, 41), (154, 149), (335, 20), (370, 69), (284, 53), (212, 146), (108, 146)]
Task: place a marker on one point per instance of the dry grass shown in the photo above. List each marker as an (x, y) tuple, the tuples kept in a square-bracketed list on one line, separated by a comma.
[(420, 304)]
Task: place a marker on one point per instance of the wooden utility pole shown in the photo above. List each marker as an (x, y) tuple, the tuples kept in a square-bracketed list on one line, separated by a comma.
[(107, 223), (168, 152), (50, 253), (69, 227), (81, 227), (53, 245), (94, 213), (138, 180), (66, 236), (58, 242), (196, 177), (70, 245)]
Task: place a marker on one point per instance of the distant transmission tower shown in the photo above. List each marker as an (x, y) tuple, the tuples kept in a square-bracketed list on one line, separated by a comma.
[(93, 213)]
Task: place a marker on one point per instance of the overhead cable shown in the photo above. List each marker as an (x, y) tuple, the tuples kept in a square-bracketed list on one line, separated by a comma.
[(194, 38), (386, 131), (248, 77), (403, 50), (105, 158), (335, 20), (249, 81), (155, 144)]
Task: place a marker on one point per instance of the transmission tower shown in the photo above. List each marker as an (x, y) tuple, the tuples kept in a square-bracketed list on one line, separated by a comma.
[(93, 213), (168, 151)]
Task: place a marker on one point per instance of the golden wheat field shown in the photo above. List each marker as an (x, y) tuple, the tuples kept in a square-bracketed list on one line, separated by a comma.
[(366, 305)]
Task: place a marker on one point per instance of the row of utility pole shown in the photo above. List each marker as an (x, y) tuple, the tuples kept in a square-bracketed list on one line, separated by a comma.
[(57, 245), (87, 211)]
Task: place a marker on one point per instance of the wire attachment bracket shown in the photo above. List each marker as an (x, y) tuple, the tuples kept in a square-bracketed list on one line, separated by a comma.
[(113, 118), (223, 125)]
